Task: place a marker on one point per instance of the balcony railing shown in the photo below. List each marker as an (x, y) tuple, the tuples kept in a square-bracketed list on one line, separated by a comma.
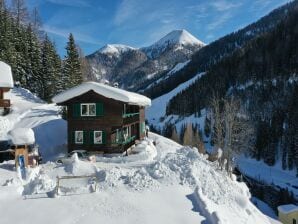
[(129, 115), (5, 103), (124, 142)]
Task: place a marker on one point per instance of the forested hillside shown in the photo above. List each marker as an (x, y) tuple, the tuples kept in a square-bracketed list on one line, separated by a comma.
[(35, 62), (213, 52), (263, 75)]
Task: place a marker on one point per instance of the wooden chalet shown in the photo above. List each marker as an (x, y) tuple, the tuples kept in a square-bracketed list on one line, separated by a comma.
[(6, 83), (103, 118)]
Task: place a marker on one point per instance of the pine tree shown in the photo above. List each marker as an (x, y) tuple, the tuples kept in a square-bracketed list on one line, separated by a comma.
[(207, 127), (72, 68), (50, 70)]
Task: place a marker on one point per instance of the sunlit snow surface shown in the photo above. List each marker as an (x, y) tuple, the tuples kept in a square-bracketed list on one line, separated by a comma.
[(162, 183)]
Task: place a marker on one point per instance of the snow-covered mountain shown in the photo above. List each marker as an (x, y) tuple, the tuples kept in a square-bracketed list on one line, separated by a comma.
[(176, 40), (115, 49), (132, 67)]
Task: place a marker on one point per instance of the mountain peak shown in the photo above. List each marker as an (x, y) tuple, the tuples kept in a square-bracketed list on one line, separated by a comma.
[(115, 49), (182, 37)]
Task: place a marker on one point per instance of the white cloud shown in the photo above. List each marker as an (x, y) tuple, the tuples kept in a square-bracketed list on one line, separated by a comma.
[(74, 3), (65, 33), (219, 21), (222, 5)]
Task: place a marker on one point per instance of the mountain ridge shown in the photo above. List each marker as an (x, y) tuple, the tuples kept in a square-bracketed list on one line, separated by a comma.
[(131, 67)]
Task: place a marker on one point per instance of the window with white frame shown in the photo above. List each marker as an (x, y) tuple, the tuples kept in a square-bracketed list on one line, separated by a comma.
[(97, 137), (79, 137), (88, 109)]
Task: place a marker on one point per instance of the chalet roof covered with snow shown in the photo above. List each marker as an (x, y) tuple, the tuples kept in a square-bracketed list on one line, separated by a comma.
[(286, 209), (104, 90), (6, 79)]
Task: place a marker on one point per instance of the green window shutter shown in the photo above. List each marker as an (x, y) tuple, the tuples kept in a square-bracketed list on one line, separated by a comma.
[(85, 137), (91, 137), (76, 110), (99, 109), (104, 137)]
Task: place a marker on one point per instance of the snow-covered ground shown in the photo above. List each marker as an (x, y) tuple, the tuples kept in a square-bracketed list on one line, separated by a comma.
[(28, 111), (269, 174), (163, 182), (159, 105)]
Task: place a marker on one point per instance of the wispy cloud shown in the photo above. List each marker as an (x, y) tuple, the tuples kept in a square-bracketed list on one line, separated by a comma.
[(65, 33), (73, 3), (219, 21), (222, 5)]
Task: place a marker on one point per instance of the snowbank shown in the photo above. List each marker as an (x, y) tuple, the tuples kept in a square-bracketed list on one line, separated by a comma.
[(28, 111), (189, 188), (6, 79), (143, 152), (22, 136), (105, 90)]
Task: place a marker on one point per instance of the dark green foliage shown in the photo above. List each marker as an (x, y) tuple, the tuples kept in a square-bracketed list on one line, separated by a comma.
[(207, 127), (72, 67), (261, 74), (32, 56), (209, 55)]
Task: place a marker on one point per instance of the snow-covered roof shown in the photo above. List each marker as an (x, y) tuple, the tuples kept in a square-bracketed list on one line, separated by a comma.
[(6, 79), (287, 208), (22, 136), (104, 90)]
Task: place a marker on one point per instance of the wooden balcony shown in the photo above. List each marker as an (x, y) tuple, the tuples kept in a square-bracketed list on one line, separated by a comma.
[(132, 118), (4, 103)]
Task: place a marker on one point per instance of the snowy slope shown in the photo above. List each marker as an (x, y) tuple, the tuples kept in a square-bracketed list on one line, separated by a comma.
[(158, 106), (176, 68), (269, 174), (162, 183), (28, 111), (179, 186)]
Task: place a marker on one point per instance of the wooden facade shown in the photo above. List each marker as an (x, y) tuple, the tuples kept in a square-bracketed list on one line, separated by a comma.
[(111, 127)]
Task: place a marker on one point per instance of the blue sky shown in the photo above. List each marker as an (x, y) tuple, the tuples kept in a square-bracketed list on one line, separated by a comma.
[(138, 23)]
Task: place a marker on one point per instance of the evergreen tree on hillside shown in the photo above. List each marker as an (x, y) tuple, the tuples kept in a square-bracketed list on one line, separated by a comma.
[(293, 131), (20, 11), (51, 72), (72, 67), (33, 66)]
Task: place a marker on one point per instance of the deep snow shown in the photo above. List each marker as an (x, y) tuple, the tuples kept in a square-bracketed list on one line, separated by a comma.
[(6, 79), (104, 90), (161, 183)]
